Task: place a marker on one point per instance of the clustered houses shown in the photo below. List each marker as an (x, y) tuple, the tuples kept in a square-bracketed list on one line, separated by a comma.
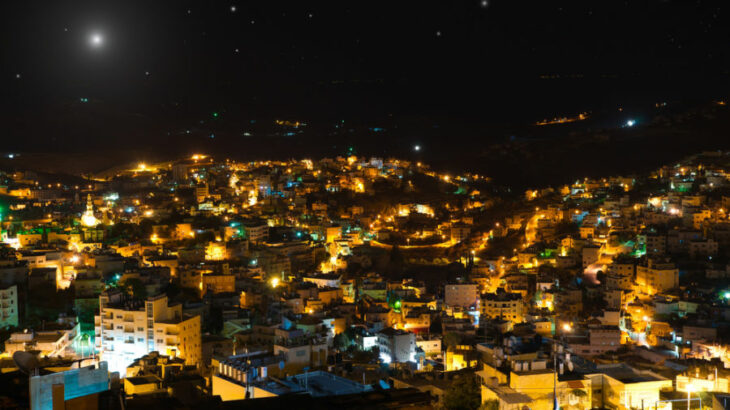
[(329, 277)]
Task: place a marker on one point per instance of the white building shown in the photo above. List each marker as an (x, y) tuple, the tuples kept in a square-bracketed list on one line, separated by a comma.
[(397, 345), (127, 329), (324, 280), (49, 343)]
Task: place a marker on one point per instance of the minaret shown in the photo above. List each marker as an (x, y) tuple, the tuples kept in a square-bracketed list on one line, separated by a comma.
[(88, 219)]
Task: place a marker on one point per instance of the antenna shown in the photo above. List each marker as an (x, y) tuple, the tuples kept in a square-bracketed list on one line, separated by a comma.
[(26, 362)]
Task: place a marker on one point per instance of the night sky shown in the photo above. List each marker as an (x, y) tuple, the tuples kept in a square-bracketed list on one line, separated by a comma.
[(162, 67)]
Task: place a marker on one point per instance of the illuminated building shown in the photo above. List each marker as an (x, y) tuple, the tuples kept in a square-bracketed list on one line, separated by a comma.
[(624, 387), (70, 389), (702, 379), (88, 219), (502, 305), (215, 251), (330, 280), (216, 283), (256, 231), (461, 294), (417, 321), (396, 345), (656, 276), (460, 357), (49, 343), (127, 329), (249, 377)]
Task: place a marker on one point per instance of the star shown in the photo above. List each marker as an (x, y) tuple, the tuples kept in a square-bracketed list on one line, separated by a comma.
[(484, 3), (233, 9), (252, 22), (17, 75), (416, 148), (310, 15), (235, 51), (146, 73), (438, 33)]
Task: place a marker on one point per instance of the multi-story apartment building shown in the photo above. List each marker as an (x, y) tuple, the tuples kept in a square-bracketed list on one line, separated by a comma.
[(656, 276), (127, 329), (9, 306), (620, 274), (461, 294), (502, 305), (396, 345)]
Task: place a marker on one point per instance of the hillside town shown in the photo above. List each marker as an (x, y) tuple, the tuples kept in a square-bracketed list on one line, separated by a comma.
[(364, 282)]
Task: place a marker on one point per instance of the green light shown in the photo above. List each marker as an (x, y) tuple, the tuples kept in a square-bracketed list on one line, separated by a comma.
[(215, 115)]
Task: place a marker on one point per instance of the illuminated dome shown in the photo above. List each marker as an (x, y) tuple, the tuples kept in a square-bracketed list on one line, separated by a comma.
[(88, 219)]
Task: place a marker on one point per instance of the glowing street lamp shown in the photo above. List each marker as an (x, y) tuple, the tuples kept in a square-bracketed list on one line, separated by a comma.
[(274, 282), (690, 389)]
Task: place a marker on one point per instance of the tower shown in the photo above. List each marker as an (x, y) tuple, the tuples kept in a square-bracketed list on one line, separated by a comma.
[(88, 219)]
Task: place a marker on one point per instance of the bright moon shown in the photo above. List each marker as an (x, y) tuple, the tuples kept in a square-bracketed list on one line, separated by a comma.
[(96, 40)]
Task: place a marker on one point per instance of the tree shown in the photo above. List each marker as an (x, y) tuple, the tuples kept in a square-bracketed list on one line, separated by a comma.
[(463, 394), (215, 322), (342, 341), (452, 339), (396, 261), (135, 288)]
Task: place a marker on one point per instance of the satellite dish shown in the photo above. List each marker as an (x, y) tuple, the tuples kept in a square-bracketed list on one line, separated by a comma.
[(26, 362)]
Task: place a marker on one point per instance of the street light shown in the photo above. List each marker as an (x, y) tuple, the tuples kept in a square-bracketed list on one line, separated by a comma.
[(690, 388), (274, 282)]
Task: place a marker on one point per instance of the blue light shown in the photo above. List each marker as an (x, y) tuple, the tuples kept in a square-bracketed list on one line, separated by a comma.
[(630, 123)]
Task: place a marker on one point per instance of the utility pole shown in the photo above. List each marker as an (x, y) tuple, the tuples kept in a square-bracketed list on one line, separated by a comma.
[(555, 378)]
